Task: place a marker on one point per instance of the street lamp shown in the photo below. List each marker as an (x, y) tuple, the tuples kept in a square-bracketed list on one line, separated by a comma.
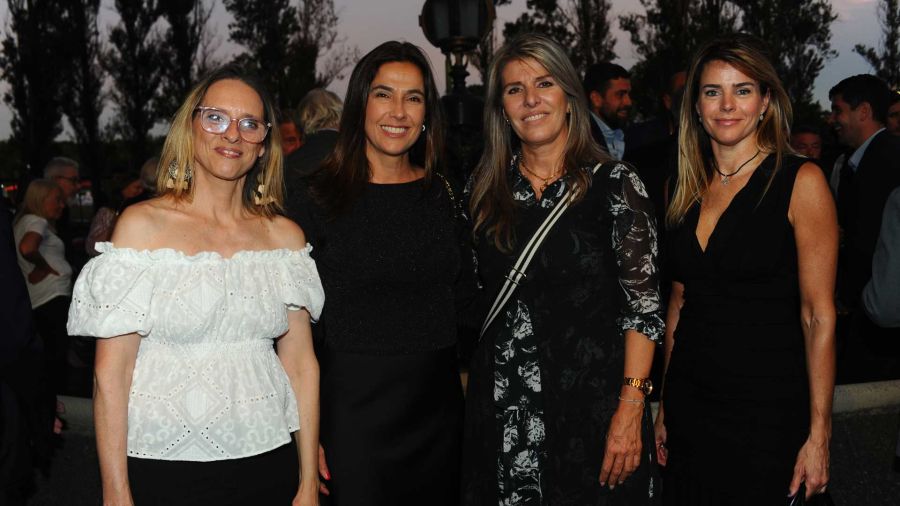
[(456, 27)]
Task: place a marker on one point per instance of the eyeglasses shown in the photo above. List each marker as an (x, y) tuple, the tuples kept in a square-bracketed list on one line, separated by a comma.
[(217, 121)]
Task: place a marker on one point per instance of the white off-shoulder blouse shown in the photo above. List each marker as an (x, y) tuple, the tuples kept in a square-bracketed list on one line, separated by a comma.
[(207, 384)]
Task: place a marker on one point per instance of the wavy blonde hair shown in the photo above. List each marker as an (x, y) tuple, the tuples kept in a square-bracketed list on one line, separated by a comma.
[(695, 156), (179, 148), (33, 200), (491, 203)]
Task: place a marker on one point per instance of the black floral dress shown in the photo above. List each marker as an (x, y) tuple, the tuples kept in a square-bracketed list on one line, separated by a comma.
[(545, 378)]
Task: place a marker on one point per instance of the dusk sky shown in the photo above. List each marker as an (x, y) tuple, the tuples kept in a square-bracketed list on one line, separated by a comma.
[(366, 23)]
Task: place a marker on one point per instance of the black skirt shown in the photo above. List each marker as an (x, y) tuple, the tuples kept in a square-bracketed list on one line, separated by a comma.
[(391, 427), (270, 478)]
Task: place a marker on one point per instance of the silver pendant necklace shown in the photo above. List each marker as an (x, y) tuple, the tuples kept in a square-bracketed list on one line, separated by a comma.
[(726, 178)]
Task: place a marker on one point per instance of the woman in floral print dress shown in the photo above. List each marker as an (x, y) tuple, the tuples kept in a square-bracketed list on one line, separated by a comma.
[(549, 420)]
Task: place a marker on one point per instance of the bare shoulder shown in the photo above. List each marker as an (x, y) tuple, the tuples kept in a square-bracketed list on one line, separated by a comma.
[(140, 225), (811, 194), (284, 233)]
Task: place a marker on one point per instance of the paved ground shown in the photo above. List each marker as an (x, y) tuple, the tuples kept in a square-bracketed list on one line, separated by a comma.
[(862, 453)]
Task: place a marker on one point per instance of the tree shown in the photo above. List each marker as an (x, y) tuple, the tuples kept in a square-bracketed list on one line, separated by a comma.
[(184, 38), (31, 64), (284, 44), (886, 64), (798, 35), (83, 90), (581, 26), (135, 63)]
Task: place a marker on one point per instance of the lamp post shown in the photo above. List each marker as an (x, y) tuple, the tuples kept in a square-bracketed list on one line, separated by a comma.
[(457, 27)]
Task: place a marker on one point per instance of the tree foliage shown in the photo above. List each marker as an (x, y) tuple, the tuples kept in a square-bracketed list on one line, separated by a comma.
[(31, 64), (668, 32), (886, 63), (83, 97), (582, 26), (284, 43), (184, 39), (135, 61), (798, 36)]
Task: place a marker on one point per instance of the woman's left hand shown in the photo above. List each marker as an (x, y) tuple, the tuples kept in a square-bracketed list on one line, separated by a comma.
[(811, 468), (308, 494), (623, 444)]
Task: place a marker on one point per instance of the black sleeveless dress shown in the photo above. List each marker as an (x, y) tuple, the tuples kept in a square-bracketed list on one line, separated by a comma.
[(736, 394)]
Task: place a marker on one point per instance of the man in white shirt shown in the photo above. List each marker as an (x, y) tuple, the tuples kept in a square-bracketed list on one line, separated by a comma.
[(608, 90)]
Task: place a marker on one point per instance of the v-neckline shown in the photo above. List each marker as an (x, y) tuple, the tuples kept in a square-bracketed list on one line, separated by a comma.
[(715, 228)]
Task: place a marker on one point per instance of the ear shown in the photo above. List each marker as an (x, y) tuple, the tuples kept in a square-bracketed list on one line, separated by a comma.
[(766, 102), (864, 111), (595, 99), (262, 151), (667, 101)]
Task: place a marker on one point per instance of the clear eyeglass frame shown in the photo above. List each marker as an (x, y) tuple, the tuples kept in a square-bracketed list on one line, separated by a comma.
[(251, 129)]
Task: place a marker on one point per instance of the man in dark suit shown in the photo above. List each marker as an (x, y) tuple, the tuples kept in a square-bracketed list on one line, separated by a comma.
[(318, 115), (869, 174), (608, 90)]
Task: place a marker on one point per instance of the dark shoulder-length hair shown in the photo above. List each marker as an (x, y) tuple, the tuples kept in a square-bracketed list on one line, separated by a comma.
[(178, 149), (491, 201), (345, 172)]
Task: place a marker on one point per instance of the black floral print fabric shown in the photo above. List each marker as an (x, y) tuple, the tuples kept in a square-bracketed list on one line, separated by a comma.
[(555, 356)]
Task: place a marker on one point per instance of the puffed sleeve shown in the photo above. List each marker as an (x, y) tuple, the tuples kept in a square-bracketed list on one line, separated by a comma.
[(634, 240), (112, 296), (301, 287)]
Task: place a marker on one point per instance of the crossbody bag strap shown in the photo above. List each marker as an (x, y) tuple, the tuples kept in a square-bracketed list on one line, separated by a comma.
[(517, 273)]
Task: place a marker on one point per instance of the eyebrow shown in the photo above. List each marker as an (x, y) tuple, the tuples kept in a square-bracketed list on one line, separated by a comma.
[(736, 85), (538, 78), (388, 88)]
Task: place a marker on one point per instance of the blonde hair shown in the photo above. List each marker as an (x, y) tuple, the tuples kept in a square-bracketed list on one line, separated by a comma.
[(35, 195), (178, 149), (319, 109), (491, 202), (694, 144)]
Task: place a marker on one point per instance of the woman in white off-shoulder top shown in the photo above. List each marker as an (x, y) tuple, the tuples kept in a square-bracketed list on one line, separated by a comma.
[(193, 403)]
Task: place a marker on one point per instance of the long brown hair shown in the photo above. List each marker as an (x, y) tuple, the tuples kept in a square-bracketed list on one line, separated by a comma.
[(179, 148), (345, 172), (491, 203), (695, 155)]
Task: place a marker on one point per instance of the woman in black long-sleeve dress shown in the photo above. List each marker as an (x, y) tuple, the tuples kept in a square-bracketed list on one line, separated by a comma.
[(549, 419), (386, 237)]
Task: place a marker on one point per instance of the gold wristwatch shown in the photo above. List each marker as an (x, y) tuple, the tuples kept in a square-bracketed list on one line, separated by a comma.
[(642, 384)]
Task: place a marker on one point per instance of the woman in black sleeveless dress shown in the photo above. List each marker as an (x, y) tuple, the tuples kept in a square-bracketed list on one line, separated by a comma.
[(386, 236), (746, 413)]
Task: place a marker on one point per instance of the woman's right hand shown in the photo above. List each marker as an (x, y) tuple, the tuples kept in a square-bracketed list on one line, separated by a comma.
[(659, 427), (39, 273)]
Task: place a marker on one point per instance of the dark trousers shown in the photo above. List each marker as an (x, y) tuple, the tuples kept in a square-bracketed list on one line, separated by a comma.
[(50, 321), (271, 478)]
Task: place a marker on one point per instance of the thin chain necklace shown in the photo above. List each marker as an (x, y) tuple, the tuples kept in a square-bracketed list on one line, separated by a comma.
[(544, 180), (726, 178)]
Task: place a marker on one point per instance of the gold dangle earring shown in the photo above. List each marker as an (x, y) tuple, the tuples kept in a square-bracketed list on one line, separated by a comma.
[(174, 182)]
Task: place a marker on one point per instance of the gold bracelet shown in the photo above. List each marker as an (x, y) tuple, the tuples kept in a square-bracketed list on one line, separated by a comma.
[(636, 401)]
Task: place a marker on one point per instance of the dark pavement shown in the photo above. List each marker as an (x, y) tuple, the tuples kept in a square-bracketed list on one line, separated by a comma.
[(862, 453)]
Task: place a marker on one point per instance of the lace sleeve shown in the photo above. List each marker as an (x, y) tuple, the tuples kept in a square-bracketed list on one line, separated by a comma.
[(635, 242)]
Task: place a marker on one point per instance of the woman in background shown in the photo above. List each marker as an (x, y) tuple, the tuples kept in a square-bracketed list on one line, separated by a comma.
[(42, 258), (750, 326)]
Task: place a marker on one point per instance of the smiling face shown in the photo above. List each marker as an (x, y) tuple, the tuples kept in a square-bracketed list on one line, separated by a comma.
[(614, 104), (227, 155), (53, 205), (807, 144), (395, 110), (535, 105), (729, 104)]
